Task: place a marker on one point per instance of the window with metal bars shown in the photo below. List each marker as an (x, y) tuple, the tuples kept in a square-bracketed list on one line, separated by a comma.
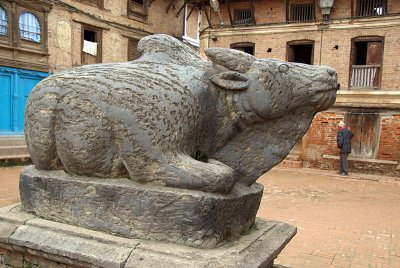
[(3, 21), (371, 8), (243, 16), (302, 12)]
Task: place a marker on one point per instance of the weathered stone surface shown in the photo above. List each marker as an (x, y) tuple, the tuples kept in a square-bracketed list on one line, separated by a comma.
[(129, 209), (6, 229), (6, 213), (174, 119), (55, 245), (85, 250)]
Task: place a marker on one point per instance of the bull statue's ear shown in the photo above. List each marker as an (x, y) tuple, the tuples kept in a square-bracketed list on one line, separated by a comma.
[(232, 59), (230, 80)]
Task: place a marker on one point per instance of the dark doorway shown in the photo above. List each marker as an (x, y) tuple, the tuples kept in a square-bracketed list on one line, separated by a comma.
[(133, 52), (245, 47), (301, 53)]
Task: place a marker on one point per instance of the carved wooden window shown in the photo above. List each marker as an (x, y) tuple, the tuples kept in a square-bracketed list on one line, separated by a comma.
[(371, 8), (24, 31), (29, 27), (3, 22), (137, 9), (302, 12), (246, 47), (243, 16)]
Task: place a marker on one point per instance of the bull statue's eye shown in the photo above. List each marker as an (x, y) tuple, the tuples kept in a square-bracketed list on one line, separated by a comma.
[(283, 68)]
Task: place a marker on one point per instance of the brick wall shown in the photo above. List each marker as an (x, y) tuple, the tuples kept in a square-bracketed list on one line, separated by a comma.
[(321, 137), (389, 142), (65, 29), (325, 37)]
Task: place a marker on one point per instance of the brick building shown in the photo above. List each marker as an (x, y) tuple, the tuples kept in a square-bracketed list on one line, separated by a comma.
[(359, 38), (45, 36)]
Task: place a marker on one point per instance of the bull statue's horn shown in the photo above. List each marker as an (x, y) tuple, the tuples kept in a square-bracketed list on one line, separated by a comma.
[(232, 59)]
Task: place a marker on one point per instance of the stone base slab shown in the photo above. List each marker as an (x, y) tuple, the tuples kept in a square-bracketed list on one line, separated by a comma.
[(129, 209), (27, 240)]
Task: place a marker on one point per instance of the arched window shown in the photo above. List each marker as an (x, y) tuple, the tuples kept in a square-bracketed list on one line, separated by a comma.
[(29, 27), (3, 21)]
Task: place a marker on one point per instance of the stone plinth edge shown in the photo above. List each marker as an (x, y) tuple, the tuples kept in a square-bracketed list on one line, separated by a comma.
[(51, 244), (132, 210)]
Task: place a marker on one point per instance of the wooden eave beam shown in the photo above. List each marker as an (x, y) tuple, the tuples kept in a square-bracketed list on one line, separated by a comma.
[(253, 18), (229, 12), (170, 5), (191, 11), (207, 17), (182, 7)]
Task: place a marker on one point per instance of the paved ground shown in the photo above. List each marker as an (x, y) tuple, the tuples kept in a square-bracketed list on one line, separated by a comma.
[(342, 222)]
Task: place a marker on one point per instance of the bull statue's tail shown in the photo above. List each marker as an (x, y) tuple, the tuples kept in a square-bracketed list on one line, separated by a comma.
[(40, 116)]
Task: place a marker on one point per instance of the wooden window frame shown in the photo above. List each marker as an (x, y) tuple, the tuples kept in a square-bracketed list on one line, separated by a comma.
[(292, 4), (367, 39), (138, 12), (6, 38), (14, 48), (99, 37), (26, 43)]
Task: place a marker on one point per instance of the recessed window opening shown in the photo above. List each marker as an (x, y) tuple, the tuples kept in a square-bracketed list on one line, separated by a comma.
[(371, 8), (366, 63), (29, 27), (243, 16), (301, 53), (3, 21), (361, 49), (303, 12), (138, 2), (89, 36), (245, 47)]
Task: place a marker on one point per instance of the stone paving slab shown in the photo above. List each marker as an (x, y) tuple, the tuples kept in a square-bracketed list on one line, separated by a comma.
[(53, 242)]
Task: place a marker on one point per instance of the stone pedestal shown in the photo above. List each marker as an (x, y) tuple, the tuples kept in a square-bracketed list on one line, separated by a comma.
[(28, 241), (129, 209)]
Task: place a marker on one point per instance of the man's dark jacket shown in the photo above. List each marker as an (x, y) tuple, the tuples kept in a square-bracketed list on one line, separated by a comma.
[(344, 140)]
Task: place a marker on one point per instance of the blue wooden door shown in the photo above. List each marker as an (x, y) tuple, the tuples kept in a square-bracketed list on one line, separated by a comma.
[(5, 101), (15, 85)]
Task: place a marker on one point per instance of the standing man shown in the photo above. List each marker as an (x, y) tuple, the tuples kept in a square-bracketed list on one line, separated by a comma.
[(343, 138)]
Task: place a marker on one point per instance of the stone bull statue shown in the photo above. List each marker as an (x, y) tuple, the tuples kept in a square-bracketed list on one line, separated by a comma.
[(174, 119)]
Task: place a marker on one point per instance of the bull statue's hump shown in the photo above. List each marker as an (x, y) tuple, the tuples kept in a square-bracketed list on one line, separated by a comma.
[(167, 49)]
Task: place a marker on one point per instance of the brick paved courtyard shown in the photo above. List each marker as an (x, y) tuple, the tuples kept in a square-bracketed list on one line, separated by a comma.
[(342, 222)]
